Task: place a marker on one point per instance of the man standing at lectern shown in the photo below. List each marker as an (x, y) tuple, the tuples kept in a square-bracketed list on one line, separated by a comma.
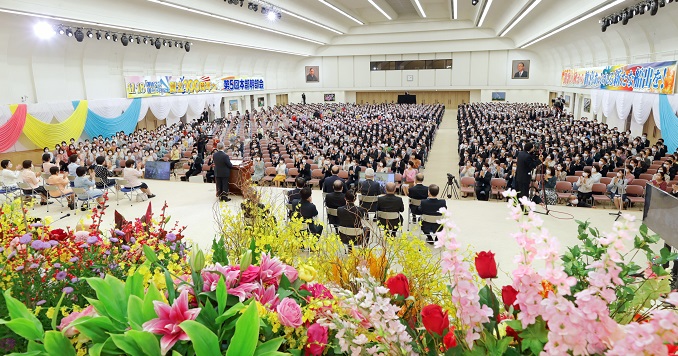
[(526, 163), (222, 172)]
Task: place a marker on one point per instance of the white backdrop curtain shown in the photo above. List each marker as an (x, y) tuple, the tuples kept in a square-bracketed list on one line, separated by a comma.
[(45, 112), (160, 107), (213, 102), (5, 114), (608, 103), (624, 103), (596, 100), (109, 108), (642, 106), (144, 109), (655, 112), (196, 105)]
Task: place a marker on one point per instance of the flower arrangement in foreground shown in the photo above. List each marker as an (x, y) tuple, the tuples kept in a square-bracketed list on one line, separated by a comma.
[(592, 299)]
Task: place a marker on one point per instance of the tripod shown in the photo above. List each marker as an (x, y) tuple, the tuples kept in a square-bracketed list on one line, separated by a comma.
[(543, 184), (618, 214), (451, 187)]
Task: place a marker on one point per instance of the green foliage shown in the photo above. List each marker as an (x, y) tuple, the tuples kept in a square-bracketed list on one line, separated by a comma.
[(205, 343), (244, 341), (137, 343)]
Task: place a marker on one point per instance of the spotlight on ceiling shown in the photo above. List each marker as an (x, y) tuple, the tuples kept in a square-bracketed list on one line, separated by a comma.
[(107, 36), (654, 6), (138, 40), (271, 16), (69, 32), (61, 30), (158, 44), (115, 38), (474, 2), (181, 45), (124, 40), (79, 36), (164, 43), (98, 35), (145, 40), (44, 30), (90, 34), (187, 46), (662, 3)]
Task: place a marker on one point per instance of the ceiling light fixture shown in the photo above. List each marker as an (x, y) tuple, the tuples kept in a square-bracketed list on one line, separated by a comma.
[(44, 30), (455, 6), (474, 2), (148, 32), (486, 9), (380, 9), (520, 18), (69, 32), (79, 36), (572, 23), (421, 10), (341, 12), (204, 13)]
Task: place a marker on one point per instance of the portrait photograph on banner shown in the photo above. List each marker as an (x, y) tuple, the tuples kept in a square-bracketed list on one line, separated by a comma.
[(233, 105), (260, 102), (498, 96), (520, 69), (312, 74)]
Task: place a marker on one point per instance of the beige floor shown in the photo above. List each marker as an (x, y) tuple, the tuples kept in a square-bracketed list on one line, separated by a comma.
[(483, 225)]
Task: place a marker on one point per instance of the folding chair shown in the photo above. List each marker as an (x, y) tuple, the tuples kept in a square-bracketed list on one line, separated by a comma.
[(128, 192), (367, 202), (431, 219), (56, 190), (25, 187), (10, 193), (83, 197), (411, 218), (390, 216), (332, 212)]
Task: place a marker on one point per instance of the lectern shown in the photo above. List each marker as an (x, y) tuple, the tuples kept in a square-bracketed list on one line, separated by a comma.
[(240, 173)]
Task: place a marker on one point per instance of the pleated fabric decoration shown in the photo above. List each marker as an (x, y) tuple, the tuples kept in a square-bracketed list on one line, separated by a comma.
[(99, 125), (47, 135), (669, 123), (11, 130)]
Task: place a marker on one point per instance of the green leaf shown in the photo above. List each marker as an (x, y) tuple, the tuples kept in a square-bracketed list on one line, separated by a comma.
[(152, 294), (111, 293), (134, 285), (127, 345), (650, 290), (171, 293), (30, 353), (150, 254), (18, 310), (535, 337), (230, 313), (246, 333), (147, 342), (95, 328), (268, 346), (222, 295), (95, 350), (56, 344), (134, 305), (24, 328), (205, 343)]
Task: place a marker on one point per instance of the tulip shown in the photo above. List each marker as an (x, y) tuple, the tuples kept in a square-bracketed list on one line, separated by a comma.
[(485, 265)]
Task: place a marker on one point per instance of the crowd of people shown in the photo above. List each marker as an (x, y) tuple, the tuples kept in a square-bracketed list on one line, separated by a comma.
[(492, 135)]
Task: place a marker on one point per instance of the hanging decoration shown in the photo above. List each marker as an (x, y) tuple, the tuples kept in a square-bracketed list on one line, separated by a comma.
[(11, 130), (669, 123), (48, 135), (98, 125)]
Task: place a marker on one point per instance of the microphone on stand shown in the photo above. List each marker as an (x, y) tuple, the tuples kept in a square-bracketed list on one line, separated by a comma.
[(63, 217)]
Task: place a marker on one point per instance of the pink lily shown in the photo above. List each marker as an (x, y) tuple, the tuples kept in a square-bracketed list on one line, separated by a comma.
[(168, 320)]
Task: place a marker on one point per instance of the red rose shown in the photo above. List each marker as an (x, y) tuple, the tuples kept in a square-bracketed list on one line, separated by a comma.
[(672, 349), (317, 340), (58, 235), (508, 296), (434, 319), (399, 284), (450, 340), (485, 265)]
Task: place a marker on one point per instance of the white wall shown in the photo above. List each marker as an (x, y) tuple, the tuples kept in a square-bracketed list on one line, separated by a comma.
[(516, 95)]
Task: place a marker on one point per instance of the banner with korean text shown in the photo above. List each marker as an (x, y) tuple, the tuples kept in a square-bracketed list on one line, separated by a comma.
[(657, 77), (150, 86)]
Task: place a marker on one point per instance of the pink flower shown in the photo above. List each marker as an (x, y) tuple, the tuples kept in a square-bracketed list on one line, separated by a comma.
[(211, 276), (244, 290), (291, 273), (271, 270), (250, 274), (318, 291), (289, 313), (70, 331), (168, 320), (267, 297), (317, 340)]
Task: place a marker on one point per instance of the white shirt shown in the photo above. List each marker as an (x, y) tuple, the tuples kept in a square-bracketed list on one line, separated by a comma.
[(132, 176), (10, 178)]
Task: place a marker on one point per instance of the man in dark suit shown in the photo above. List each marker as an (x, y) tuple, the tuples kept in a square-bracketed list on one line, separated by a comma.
[(351, 216), (308, 211), (526, 163), (335, 200), (521, 73), (391, 203), (303, 96), (222, 172), (311, 77), (305, 169), (483, 183), (293, 196), (195, 168), (329, 181), (431, 206), (419, 192), (370, 188)]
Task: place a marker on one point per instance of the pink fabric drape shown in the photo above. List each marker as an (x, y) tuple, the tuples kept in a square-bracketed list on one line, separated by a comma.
[(12, 129)]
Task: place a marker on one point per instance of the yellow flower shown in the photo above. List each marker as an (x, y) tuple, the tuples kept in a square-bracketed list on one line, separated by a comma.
[(50, 313), (307, 273)]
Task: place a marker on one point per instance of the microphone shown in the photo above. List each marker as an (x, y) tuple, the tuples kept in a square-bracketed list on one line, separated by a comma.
[(63, 217)]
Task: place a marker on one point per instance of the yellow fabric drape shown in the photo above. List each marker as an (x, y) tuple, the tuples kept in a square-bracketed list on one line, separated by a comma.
[(47, 135)]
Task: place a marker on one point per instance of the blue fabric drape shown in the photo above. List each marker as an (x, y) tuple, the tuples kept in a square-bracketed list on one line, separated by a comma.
[(669, 123), (98, 125)]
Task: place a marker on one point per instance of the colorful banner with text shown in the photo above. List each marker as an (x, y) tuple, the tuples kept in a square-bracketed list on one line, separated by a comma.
[(150, 86), (657, 77)]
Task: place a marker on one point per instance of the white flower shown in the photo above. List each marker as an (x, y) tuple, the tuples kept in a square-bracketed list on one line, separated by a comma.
[(360, 339)]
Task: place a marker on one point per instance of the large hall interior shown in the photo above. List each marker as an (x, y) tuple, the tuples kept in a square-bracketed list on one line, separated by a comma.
[(278, 152)]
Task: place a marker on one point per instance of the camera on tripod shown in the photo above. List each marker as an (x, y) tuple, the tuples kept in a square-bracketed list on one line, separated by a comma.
[(451, 187), (451, 179)]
